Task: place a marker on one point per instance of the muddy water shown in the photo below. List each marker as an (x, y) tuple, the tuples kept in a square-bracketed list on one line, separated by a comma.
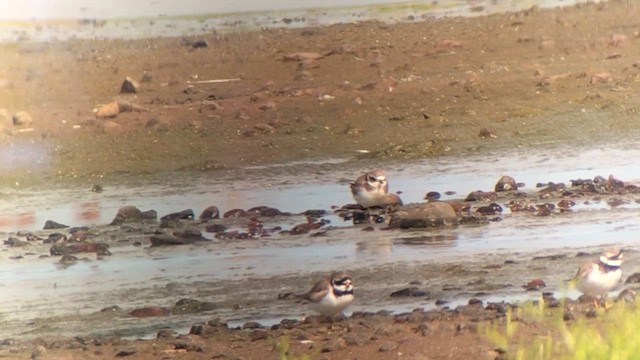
[(40, 296), (41, 20)]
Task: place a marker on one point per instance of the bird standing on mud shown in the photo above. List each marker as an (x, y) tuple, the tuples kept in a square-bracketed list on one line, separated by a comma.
[(598, 277), (331, 295), (372, 190)]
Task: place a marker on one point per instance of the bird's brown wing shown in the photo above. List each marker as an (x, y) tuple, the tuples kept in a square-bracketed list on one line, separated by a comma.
[(359, 183), (318, 291), (583, 270)]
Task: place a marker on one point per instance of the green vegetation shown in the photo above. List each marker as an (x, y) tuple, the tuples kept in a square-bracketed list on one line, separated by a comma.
[(610, 335), (282, 347)]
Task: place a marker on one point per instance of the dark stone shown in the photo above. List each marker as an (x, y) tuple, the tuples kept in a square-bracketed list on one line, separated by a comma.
[(354, 339), (432, 196), (252, 325), (633, 279), (408, 292), (263, 211), (215, 228), (129, 86), (15, 242), (535, 284), (506, 183), (54, 237), (80, 247), (166, 334), (125, 353), (491, 209), (189, 347), (50, 224), (480, 196), (190, 306), (436, 213), (235, 213), (287, 296), (210, 213), (359, 217), (259, 334), (199, 44), (127, 214), (190, 234), (97, 188), (150, 311), (181, 215), (169, 240), (388, 346), (315, 213), (112, 308)]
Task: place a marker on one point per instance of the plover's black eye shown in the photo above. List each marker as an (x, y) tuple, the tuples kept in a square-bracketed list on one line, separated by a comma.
[(371, 179)]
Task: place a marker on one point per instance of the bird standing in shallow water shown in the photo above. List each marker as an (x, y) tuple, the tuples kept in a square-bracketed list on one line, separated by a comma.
[(331, 295), (372, 189)]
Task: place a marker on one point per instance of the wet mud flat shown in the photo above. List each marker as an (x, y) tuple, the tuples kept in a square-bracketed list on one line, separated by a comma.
[(227, 275)]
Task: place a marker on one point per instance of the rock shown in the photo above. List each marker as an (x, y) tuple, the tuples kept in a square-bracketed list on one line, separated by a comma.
[(191, 234), (535, 284), (633, 279), (132, 214), (22, 118), (215, 228), (181, 215), (109, 110), (491, 209), (150, 311), (627, 296), (129, 86), (81, 247), (15, 242), (388, 346), (50, 224), (210, 213), (506, 183), (252, 325), (486, 133), (410, 291), (190, 306), (480, 195), (436, 213), (112, 308), (168, 240), (263, 211), (125, 353), (302, 56), (97, 188), (208, 328), (234, 213), (166, 334), (259, 334), (432, 196), (199, 44)]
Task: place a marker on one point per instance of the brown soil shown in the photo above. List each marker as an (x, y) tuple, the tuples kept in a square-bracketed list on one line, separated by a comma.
[(538, 78)]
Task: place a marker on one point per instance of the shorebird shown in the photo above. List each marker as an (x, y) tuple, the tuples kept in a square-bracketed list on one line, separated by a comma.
[(331, 295), (598, 277), (372, 190)]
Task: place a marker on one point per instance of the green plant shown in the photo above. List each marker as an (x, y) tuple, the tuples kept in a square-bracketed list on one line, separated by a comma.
[(613, 334), (283, 347)]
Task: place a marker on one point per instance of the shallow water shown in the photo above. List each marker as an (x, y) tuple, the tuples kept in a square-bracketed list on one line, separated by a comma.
[(41, 20), (41, 296)]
